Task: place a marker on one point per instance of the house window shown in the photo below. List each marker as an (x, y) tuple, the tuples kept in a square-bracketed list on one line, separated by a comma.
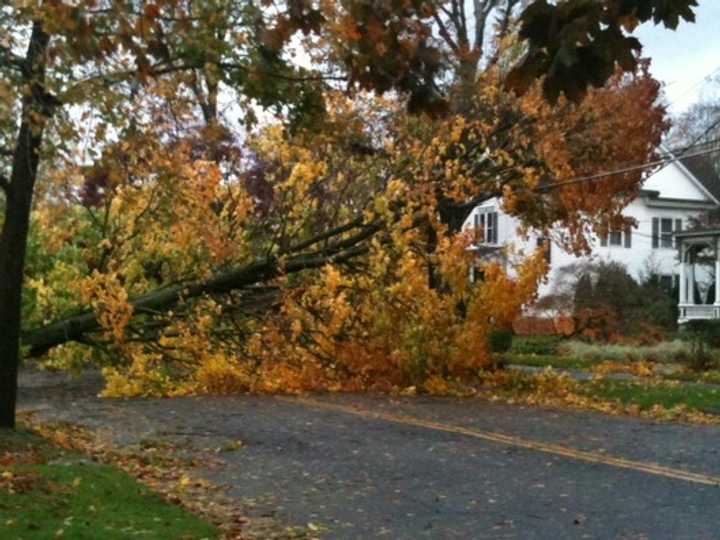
[(618, 238), (662, 231), (666, 230), (486, 227), (477, 274)]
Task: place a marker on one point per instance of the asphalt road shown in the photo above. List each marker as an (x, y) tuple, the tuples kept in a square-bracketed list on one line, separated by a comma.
[(406, 468)]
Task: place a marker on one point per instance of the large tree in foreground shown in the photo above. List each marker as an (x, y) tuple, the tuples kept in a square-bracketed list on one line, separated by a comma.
[(65, 61), (72, 70)]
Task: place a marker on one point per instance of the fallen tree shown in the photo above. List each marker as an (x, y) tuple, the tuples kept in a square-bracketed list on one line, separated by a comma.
[(79, 327)]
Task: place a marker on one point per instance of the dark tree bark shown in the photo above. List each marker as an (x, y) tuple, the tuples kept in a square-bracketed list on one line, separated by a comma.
[(36, 109), (434, 281)]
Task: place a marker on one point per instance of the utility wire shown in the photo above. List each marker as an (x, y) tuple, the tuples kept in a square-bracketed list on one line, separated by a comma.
[(633, 168), (695, 141), (704, 133), (706, 78)]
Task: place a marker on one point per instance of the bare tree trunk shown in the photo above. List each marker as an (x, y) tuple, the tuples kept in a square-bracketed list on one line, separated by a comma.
[(12, 261), (466, 81), (13, 237)]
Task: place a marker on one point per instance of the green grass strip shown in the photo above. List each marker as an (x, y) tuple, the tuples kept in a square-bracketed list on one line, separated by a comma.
[(646, 395), (48, 493)]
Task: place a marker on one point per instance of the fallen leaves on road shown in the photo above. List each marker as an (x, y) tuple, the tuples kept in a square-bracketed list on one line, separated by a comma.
[(554, 389)]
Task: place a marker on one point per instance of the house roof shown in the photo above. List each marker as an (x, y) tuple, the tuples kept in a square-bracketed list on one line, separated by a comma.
[(705, 171)]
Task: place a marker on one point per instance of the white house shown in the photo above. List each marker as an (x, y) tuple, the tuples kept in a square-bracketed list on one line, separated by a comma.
[(669, 199)]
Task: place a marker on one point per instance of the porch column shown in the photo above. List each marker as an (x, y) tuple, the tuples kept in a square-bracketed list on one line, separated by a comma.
[(683, 277), (691, 282), (717, 278)]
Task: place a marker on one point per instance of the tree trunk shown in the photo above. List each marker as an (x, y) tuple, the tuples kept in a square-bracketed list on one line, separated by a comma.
[(12, 262), (430, 247), (466, 91), (13, 237)]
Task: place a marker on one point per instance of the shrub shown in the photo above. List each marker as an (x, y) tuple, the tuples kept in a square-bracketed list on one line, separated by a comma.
[(707, 331), (584, 293), (540, 345), (611, 306), (702, 335), (598, 324), (500, 341)]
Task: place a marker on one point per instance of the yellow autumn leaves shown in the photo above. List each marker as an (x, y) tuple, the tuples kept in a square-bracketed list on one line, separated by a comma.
[(399, 311), (377, 323)]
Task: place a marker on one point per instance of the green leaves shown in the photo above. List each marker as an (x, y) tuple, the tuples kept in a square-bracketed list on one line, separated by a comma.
[(669, 12), (577, 43)]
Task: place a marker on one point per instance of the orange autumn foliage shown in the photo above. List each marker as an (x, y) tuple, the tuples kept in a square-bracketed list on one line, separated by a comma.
[(373, 319)]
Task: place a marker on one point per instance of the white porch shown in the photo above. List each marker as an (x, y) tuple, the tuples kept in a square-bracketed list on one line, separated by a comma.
[(699, 279)]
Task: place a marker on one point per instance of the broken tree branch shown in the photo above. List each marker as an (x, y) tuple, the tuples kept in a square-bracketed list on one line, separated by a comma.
[(76, 328)]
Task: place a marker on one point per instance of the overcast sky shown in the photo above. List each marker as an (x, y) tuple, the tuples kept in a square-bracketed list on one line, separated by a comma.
[(684, 58)]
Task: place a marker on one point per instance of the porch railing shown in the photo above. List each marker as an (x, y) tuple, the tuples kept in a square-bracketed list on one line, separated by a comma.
[(689, 312)]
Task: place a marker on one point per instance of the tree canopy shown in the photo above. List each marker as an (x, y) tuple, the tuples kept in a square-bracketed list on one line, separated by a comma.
[(180, 235)]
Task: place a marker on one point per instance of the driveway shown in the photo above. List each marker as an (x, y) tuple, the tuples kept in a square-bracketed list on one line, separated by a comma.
[(362, 466)]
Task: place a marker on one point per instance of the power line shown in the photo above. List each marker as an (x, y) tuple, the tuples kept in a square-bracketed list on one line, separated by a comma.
[(696, 140), (633, 168), (704, 133), (699, 82), (696, 144)]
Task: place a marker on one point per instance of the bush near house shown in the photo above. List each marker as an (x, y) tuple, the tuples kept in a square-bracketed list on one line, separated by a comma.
[(534, 326), (602, 302), (708, 331), (702, 336), (544, 326), (611, 306), (538, 345), (500, 341)]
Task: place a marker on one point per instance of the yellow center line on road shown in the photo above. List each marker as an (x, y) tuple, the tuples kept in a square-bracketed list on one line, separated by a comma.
[(510, 440)]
